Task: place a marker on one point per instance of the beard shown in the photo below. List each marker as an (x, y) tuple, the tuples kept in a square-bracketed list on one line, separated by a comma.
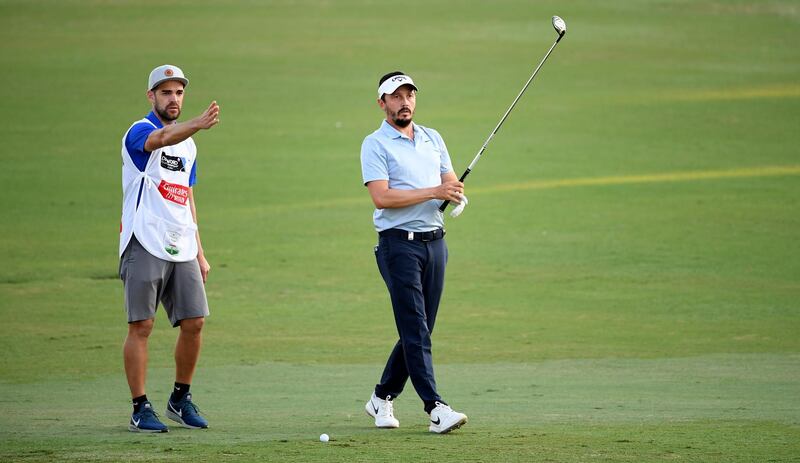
[(402, 122), (162, 112)]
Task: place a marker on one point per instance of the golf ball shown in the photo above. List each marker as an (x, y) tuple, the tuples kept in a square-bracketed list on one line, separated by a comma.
[(324, 438)]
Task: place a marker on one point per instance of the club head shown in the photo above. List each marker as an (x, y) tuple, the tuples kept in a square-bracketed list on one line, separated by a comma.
[(559, 25)]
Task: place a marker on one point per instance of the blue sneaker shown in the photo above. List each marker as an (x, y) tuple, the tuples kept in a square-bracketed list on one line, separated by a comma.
[(186, 413), (146, 421)]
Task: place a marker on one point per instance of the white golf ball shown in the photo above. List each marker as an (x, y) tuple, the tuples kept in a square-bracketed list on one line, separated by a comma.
[(324, 438)]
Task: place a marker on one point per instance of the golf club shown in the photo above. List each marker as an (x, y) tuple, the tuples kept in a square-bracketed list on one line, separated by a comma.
[(561, 28)]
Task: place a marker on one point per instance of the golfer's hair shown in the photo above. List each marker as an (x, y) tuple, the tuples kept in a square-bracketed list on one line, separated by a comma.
[(387, 76)]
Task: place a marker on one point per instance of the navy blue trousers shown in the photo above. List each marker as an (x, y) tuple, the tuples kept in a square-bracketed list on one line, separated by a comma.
[(414, 274)]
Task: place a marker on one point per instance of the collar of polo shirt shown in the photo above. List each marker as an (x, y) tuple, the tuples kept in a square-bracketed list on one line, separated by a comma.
[(393, 83)]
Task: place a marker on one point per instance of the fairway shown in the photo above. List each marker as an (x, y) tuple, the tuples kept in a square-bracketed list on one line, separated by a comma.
[(624, 285)]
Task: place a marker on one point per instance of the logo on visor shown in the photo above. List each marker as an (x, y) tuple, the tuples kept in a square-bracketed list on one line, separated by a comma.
[(173, 163), (398, 78)]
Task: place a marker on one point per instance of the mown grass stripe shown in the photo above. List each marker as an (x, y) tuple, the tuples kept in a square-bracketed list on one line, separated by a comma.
[(745, 172), (776, 91), (760, 171)]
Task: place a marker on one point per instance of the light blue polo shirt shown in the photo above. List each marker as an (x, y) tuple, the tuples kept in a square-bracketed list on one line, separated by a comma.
[(387, 154)]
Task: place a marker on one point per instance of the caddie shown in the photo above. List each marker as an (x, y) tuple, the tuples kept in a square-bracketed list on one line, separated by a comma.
[(161, 257)]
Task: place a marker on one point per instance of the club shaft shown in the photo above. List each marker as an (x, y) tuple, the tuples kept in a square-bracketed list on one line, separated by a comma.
[(443, 206)]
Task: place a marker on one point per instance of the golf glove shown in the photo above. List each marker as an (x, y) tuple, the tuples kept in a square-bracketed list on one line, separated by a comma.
[(460, 208)]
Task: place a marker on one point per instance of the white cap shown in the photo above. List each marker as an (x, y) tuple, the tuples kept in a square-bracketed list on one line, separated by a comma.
[(165, 73), (393, 83)]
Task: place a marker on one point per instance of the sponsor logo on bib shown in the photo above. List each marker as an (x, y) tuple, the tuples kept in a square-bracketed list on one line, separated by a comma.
[(171, 243), (173, 163), (178, 194)]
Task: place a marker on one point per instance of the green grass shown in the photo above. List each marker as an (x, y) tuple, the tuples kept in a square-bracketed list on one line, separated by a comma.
[(695, 409), (644, 321)]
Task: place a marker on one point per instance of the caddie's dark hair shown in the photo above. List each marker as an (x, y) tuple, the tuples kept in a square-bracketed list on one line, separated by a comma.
[(387, 76)]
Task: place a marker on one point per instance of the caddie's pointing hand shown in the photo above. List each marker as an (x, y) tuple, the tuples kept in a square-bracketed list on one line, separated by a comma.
[(210, 116)]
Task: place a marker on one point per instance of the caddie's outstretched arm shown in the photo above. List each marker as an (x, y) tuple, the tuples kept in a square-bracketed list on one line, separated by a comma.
[(175, 133)]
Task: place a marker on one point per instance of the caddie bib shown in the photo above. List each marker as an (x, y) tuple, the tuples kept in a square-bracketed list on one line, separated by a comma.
[(160, 216)]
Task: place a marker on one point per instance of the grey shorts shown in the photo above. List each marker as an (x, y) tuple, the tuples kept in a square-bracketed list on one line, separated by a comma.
[(148, 279)]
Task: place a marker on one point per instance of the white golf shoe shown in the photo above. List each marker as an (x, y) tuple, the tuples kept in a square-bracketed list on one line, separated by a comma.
[(382, 411), (444, 419)]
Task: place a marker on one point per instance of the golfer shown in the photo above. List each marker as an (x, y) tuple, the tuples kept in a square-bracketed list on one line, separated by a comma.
[(161, 257), (408, 173)]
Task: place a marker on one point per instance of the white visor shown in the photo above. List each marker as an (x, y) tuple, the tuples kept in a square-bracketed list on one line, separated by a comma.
[(393, 83)]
